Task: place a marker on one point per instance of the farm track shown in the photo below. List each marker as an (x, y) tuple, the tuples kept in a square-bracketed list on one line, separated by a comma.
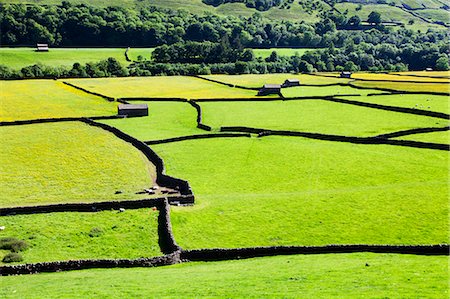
[(174, 253)]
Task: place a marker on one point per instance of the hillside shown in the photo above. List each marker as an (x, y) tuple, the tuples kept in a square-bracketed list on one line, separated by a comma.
[(414, 14)]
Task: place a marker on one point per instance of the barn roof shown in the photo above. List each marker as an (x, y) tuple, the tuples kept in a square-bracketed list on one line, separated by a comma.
[(132, 106), (293, 80), (272, 86)]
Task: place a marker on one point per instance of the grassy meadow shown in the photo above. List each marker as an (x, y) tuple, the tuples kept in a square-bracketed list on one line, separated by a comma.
[(360, 275), (295, 191), (315, 116), (161, 87), (165, 120), (32, 99), (443, 88), (252, 80), (17, 58), (72, 236), (68, 162), (274, 190)]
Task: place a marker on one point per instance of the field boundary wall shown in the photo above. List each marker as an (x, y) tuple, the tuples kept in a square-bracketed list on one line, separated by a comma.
[(338, 138)]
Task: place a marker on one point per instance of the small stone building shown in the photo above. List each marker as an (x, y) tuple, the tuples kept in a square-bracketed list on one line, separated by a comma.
[(41, 47), (346, 75), (291, 83), (133, 110), (269, 89)]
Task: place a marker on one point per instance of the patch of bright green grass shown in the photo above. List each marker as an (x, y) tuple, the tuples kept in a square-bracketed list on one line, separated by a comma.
[(164, 87), (165, 120), (392, 77), (68, 162), (259, 80), (314, 116), (67, 236), (358, 275), (295, 191), (32, 99), (17, 58), (434, 137), (306, 91), (264, 53), (414, 101)]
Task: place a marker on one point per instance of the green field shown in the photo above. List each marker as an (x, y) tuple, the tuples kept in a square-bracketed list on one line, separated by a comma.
[(72, 236), (260, 80), (163, 87), (312, 276), (388, 13), (335, 118), (17, 58), (69, 162), (32, 99), (268, 191), (166, 120), (297, 192)]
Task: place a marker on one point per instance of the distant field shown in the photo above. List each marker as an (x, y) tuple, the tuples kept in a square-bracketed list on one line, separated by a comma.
[(360, 275), (264, 53), (290, 190), (405, 86), (259, 80), (69, 162), (306, 91), (32, 99), (388, 13), (164, 87), (18, 58), (313, 116), (391, 77), (432, 74), (195, 6), (67, 236)]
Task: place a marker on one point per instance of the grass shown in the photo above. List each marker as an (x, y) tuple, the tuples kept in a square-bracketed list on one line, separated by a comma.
[(67, 236), (305, 91), (295, 191), (388, 14), (313, 116), (361, 275), (415, 101), (426, 74), (259, 80), (165, 120), (405, 86), (32, 99), (68, 162), (165, 87), (264, 53), (391, 77), (434, 137), (17, 58)]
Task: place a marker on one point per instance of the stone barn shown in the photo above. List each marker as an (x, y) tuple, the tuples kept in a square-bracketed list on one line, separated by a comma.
[(269, 89), (291, 83), (346, 75), (133, 110), (41, 47)]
